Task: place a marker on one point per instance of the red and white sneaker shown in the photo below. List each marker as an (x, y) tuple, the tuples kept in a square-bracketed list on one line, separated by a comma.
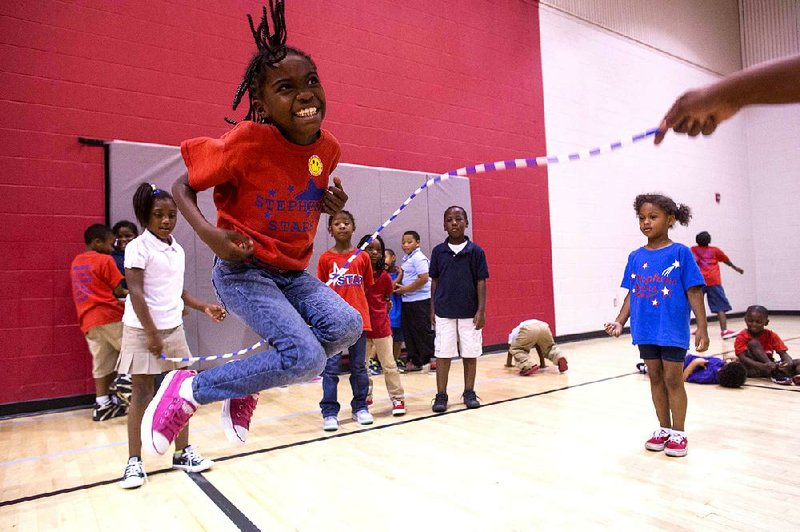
[(527, 372), (167, 414), (677, 445), (728, 334), (658, 440), (236, 416), (562, 365), (398, 407)]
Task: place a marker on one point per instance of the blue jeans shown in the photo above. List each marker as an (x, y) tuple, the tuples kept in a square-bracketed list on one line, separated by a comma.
[(359, 380), (278, 306)]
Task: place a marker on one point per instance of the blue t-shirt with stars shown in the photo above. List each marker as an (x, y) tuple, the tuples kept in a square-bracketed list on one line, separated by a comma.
[(658, 280)]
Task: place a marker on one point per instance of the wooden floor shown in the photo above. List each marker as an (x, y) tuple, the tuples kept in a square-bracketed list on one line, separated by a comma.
[(547, 452)]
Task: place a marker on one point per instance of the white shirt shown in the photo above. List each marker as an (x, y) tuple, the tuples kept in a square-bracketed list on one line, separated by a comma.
[(515, 332), (413, 266), (163, 266)]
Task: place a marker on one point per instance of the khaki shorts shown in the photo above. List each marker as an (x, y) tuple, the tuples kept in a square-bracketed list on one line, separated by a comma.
[(135, 359), (457, 336), (104, 344)]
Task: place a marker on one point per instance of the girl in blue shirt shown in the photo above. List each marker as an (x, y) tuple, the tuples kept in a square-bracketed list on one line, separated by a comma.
[(664, 284)]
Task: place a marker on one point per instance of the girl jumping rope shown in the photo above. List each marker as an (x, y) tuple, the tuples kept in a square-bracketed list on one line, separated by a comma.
[(379, 339), (350, 287), (270, 178), (153, 322), (663, 282)]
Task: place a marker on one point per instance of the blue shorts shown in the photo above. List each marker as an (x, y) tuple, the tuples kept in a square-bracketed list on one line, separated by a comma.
[(670, 353), (397, 334), (717, 300)]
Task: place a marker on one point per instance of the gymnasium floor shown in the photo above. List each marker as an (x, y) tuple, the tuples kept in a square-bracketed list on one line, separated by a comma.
[(545, 452)]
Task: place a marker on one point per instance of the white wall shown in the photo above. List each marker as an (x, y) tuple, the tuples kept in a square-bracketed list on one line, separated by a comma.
[(600, 86), (699, 32)]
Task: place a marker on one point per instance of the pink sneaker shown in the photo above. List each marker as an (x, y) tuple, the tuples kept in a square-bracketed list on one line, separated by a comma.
[(658, 440), (728, 334), (677, 445), (527, 372), (167, 413), (562, 365), (236, 416)]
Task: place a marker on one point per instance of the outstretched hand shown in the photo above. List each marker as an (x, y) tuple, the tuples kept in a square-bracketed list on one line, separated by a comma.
[(229, 245), (695, 112), (613, 328), (334, 198), (215, 312)]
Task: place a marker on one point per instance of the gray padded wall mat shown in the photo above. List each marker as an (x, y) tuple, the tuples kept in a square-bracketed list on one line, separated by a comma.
[(374, 194)]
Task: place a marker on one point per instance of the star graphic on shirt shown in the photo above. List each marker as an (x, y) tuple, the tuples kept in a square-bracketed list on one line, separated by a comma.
[(644, 266), (674, 265), (267, 214), (633, 276), (665, 291), (272, 193), (336, 273), (654, 302), (290, 188)]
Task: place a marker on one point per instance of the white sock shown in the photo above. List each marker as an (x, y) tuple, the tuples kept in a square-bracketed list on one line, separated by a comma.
[(102, 400), (678, 433), (186, 392)]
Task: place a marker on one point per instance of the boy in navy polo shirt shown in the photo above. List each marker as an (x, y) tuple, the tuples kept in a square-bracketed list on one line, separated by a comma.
[(458, 305)]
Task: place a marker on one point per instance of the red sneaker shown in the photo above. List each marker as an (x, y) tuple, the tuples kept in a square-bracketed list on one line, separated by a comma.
[(529, 371), (677, 445), (398, 407), (728, 334), (236, 416), (658, 440), (562, 365)]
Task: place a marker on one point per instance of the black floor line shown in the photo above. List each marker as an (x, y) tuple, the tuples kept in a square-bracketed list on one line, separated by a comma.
[(780, 389), (74, 489), (299, 443), (223, 503)]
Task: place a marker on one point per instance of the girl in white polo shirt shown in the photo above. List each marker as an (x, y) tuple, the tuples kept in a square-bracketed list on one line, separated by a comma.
[(153, 322)]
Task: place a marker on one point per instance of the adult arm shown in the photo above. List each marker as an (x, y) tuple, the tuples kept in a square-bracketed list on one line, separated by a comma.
[(227, 245), (702, 110), (695, 296)]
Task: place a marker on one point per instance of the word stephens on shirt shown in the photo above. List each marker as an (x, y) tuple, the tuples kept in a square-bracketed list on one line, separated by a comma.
[(649, 286), (282, 213)]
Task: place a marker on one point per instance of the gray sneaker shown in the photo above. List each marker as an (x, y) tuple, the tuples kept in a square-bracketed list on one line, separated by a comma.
[(363, 417), (330, 424), (471, 399), (439, 403)]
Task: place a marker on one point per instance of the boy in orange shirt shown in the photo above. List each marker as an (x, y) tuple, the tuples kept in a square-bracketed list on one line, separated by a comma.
[(96, 285), (708, 259), (756, 347)]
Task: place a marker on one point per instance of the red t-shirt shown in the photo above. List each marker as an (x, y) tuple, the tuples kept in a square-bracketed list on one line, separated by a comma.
[(351, 286), (94, 276), (377, 296), (770, 341), (708, 259), (265, 187)]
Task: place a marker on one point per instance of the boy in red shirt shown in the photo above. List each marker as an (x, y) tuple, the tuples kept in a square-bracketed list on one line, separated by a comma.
[(708, 259), (96, 285), (756, 347)]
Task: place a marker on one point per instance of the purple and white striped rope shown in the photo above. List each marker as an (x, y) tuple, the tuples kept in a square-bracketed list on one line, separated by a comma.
[(497, 166)]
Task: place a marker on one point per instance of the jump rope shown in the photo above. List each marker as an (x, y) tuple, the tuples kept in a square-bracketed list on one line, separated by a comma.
[(497, 166)]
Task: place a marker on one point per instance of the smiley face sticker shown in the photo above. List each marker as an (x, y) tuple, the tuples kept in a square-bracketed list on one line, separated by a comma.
[(315, 165)]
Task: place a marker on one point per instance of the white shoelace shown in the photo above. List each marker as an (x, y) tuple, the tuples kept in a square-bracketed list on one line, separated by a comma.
[(193, 457), (134, 469)]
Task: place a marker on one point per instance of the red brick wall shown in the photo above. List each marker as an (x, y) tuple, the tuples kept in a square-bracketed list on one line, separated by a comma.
[(417, 85)]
